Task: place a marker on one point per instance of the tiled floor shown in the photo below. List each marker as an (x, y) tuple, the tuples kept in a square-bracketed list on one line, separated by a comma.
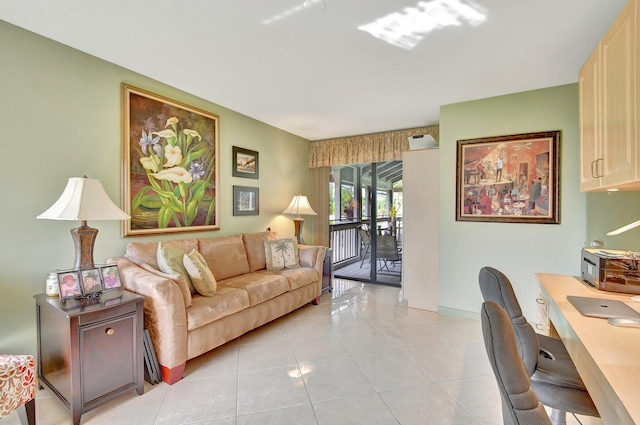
[(360, 357)]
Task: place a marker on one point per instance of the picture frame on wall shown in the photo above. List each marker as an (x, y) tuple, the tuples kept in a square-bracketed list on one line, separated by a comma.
[(170, 165), (246, 163), (246, 200), (509, 179)]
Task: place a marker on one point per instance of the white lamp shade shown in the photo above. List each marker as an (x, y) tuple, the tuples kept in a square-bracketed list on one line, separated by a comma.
[(84, 199), (299, 206)]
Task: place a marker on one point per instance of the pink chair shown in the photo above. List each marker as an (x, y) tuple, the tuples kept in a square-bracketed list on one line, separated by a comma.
[(18, 387)]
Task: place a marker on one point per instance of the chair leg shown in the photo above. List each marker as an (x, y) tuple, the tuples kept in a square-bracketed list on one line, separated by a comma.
[(27, 412), (365, 255), (558, 417)]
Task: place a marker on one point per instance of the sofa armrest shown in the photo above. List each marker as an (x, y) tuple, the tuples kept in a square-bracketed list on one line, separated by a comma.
[(165, 315), (313, 256)]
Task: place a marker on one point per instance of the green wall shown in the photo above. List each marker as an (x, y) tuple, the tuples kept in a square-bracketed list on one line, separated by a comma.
[(610, 211), (519, 250), (60, 117)]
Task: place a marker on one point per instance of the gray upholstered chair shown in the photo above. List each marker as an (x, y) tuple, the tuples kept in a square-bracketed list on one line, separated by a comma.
[(553, 375), (520, 404)]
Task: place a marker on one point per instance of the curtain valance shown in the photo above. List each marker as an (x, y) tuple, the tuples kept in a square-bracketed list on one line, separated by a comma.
[(364, 149)]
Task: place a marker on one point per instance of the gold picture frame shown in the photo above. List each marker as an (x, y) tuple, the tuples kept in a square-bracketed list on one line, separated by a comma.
[(170, 167), (509, 179)]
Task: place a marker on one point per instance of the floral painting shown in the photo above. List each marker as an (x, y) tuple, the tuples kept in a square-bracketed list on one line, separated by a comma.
[(170, 167)]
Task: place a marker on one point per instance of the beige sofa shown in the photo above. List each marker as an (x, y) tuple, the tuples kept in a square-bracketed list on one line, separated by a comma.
[(184, 325)]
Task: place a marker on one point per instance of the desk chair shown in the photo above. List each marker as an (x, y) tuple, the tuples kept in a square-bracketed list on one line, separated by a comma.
[(520, 405), (18, 387), (553, 375)]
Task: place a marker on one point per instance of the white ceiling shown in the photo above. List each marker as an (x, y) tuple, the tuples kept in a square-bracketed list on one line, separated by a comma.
[(311, 70)]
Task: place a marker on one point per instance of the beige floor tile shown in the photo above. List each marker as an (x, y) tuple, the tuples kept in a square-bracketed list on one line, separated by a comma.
[(270, 390), (392, 371), (444, 364), (335, 379), (196, 400), (479, 396), (366, 409), (218, 362), (425, 405), (298, 415), (266, 355), (366, 342), (320, 348)]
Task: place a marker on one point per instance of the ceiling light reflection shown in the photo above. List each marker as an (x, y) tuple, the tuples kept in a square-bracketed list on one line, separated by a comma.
[(298, 8), (407, 28), (301, 371)]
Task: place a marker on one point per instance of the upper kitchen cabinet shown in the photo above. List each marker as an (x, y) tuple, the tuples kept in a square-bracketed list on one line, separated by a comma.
[(608, 109)]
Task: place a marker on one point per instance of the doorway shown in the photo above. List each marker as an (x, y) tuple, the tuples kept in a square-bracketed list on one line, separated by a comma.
[(366, 222)]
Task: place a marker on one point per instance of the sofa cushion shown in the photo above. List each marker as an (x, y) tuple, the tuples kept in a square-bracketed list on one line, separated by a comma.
[(145, 252), (170, 261), (200, 274), (260, 287), (225, 256), (205, 310), (254, 245), (281, 254), (297, 278), (177, 278)]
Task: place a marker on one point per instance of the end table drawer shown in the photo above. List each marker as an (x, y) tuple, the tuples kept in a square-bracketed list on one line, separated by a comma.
[(95, 316)]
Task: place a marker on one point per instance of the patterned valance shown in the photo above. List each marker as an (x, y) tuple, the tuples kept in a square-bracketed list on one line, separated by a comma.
[(364, 149)]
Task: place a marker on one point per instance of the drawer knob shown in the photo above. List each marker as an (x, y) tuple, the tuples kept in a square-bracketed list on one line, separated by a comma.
[(540, 301), (110, 331), (539, 326)]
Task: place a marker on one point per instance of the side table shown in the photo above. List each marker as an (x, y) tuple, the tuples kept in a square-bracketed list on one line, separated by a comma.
[(90, 352)]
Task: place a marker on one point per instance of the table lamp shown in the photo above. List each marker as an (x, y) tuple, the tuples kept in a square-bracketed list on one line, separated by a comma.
[(84, 199), (299, 206)]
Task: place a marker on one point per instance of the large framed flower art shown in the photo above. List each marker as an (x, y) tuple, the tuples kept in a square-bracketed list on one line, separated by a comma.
[(170, 165)]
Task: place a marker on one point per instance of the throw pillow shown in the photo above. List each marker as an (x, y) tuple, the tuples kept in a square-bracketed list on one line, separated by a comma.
[(177, 278), (170, 261), (281, 253), (201, 276)]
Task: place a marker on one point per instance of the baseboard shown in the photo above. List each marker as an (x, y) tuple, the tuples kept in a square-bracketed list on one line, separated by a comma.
[(458, 313)]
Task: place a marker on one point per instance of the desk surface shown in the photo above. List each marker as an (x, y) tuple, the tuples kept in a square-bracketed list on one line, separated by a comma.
[(607, 357)]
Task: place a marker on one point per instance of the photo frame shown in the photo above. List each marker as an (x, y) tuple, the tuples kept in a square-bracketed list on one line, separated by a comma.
[(69, 283), (509, 179), (91, 281), (170, 165), (246, 200), (246, 163), (110, 275)]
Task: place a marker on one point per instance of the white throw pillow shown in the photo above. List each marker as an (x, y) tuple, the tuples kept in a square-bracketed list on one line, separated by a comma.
[(281, 254), (200, 274)]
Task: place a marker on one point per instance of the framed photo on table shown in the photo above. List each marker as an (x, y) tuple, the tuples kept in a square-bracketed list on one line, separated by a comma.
[(91, 281), (246, 200), (509, 179), (245, 163), (69, 283)]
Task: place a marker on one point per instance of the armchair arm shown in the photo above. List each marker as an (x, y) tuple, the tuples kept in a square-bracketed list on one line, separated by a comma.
[(164, 312)]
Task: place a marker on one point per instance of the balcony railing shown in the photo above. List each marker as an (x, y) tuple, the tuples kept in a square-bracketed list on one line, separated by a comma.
[(345, 239)]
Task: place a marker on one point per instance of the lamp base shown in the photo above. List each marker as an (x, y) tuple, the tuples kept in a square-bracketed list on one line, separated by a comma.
[(298, 222), (84, 238)]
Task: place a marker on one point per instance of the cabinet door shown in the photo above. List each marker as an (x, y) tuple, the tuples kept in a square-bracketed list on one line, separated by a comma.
[(618, 107), (107, 353), (590, 132)]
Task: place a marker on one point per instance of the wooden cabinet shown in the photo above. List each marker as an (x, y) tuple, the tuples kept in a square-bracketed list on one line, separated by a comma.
[(544, 325), (608, 109), (90, 352)]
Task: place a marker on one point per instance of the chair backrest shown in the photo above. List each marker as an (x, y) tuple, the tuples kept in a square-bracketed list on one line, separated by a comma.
[(520, 404), (387, 247), (364, 236), (496, 287)]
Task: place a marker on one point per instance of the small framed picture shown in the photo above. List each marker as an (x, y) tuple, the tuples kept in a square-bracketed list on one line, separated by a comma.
[(245, 163), (110, 277), (91, 282), (69, 281), (245, 200)]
